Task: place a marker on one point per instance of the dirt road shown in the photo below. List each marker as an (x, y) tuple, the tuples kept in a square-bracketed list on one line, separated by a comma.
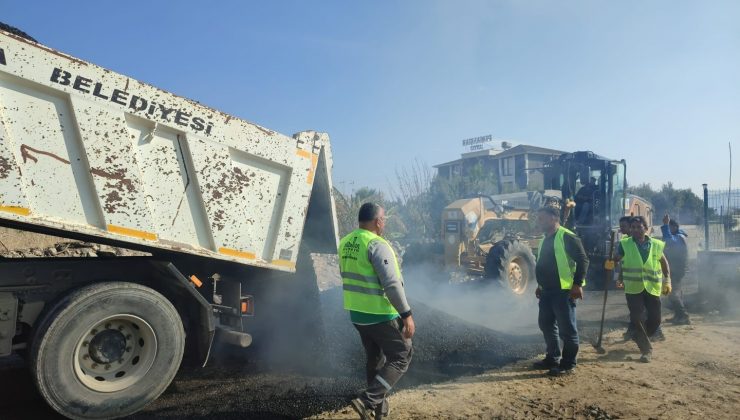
[(695, 373), (466, 366)]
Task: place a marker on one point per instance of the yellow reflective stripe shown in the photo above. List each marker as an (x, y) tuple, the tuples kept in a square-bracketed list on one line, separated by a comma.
[(312, 172), (314, 159), (361, 283), (644, 273), (239, 254), (369, 304), (21, 211), (360, 277), (284, 263), (303, 153), (641, 278), (360, 289), (132, 232)]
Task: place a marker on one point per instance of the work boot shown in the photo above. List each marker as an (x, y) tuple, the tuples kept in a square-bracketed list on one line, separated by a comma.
[(561, 371), (383, 410), (545, 364), (646, 357), (361, 409), (658, 336)]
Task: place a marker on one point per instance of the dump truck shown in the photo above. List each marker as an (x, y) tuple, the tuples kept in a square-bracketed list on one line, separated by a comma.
[(493, 238), (227, 210)]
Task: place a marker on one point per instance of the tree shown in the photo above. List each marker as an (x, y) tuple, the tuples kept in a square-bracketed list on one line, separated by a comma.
[(411, 196), (682, 204), (349, 206)]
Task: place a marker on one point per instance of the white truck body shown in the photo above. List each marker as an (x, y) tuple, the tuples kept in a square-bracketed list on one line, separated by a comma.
[(229, 211), (89, 151)]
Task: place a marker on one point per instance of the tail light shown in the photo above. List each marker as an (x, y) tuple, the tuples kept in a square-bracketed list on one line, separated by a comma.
[(247, 306)]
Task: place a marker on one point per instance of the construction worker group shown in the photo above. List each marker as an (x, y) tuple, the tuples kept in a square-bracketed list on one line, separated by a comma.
[(374, 294)]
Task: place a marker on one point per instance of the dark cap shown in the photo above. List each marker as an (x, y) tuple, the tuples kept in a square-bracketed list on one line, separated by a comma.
[(552, 211)]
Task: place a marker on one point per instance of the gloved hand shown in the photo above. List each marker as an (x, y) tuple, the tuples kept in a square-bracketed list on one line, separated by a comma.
[(609, 265), (537, 292), (667, 288), (569, 203), (620, 284)]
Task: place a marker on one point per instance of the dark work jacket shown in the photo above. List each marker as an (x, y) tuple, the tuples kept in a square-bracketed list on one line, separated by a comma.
[(547, 267), (676, 251)]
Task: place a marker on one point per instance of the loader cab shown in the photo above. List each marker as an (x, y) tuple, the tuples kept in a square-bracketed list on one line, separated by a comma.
[(595, 183), (601, 206)]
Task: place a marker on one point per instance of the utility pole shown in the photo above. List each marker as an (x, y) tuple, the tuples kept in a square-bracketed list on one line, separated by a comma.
[(706, 217)]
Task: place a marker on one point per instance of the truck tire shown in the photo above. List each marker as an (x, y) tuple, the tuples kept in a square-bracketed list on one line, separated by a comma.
[(106, 350), (513, 265)]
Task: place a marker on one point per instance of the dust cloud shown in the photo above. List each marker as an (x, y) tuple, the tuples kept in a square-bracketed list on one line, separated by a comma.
[(482, 302)]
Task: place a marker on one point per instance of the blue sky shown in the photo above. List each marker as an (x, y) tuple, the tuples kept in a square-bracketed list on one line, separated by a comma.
[(654, 82)]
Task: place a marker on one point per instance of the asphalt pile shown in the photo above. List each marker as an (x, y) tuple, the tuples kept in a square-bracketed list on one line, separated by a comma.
[(256, 384), (445, 346)]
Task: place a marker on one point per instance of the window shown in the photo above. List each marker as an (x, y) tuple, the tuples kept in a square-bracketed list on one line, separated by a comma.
[(507, 166)]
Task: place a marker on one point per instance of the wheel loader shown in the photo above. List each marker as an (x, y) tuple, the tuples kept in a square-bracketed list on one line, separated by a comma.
[(494, 238)]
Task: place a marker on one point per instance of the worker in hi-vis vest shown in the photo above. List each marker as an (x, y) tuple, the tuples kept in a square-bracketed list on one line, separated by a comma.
[(375, 298), (645, 276), (561, 274)]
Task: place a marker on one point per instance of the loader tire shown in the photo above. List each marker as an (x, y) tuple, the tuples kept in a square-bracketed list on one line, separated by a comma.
[(512, 264), (106, 350)]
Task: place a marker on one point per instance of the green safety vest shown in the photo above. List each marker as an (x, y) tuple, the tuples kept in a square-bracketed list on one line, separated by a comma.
[(638, 275), (566, 265), (363, 291)]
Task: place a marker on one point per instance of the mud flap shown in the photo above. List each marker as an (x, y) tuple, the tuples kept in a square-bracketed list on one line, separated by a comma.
[(8, 314)]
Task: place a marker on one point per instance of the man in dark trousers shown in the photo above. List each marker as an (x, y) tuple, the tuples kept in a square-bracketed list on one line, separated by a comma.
[(375, 298), (646, 276), (625, 229), (561, 270), (677, 253)]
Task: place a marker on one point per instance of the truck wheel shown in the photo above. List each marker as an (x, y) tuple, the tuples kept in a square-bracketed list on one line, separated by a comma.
[(513, 265), (106, 350)]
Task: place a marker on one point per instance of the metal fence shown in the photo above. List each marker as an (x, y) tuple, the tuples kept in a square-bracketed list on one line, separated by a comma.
[(723, 218)]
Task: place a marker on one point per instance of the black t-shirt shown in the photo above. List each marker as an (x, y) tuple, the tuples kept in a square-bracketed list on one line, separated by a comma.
[(547, 268)]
